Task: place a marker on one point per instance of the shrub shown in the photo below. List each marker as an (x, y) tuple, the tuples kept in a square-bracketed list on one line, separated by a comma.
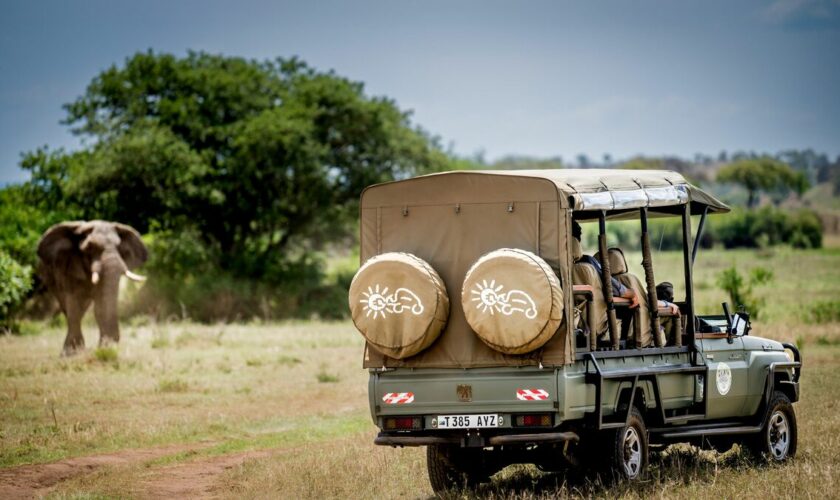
[(806, 230), (768, 226), (824, 312), (740, 289), (15, 283)]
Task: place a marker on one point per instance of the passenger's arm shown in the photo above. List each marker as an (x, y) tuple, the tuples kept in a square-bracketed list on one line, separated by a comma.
[(619, 290), (672, 308)]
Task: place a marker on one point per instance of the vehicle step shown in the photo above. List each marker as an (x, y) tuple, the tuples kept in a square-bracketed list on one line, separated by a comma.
[(706, 430)]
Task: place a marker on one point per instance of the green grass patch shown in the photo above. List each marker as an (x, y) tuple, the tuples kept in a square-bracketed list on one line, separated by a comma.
[(288, 360), (106, 354), (173, 385), (324, 377)]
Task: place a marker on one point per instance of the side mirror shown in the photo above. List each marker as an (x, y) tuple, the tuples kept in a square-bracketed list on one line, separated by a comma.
[(741, 323), (736, 325)]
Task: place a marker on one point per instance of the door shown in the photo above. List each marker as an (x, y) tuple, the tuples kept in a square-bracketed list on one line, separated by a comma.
[(728, 378)]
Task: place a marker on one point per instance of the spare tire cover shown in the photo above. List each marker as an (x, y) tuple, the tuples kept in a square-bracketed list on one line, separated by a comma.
[(399, 303), (513, 300)]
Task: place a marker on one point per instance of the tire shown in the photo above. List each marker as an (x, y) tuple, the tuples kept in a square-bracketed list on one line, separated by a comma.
[(451, 467), (628, 449), (778, 437)]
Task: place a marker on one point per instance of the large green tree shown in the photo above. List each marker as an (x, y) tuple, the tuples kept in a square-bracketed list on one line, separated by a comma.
[(762, 174), (254, 156)]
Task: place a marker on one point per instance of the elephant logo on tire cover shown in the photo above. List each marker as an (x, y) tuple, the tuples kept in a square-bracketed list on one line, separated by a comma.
[(378, 303), (491, 297)]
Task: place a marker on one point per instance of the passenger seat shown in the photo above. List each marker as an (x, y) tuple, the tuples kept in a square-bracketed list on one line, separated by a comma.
[(586, 274), (641, 319)]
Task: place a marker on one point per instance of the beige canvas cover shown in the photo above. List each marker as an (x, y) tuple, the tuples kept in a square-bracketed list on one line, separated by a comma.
[(512, 300), (451, 219), (398, 303)]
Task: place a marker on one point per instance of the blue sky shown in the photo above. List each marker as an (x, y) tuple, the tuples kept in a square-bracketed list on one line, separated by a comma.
[(542, 78)]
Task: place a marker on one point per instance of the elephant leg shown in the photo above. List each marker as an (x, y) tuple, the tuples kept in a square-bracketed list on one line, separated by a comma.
[(74, 310)]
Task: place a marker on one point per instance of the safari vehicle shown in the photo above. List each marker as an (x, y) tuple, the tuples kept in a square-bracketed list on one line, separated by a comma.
[(491, 340)]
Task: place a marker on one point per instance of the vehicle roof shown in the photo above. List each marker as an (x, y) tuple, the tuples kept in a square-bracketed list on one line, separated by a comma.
[(615, 189)]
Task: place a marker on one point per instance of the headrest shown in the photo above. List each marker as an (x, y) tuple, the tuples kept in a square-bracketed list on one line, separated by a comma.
[(577, 251), (618, 264)]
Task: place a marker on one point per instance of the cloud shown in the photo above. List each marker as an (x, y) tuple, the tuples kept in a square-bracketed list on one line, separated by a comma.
[(805, 15)]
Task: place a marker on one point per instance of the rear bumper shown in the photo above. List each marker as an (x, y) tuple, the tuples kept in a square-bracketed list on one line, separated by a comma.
[(384, 439)]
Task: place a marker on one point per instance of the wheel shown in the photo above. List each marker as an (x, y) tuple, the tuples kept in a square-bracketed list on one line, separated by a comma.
[(452, 467), (628, 448), (777, 440)]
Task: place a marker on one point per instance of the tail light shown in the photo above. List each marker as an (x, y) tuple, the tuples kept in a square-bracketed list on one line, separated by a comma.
[(537, 420), (402, 423)]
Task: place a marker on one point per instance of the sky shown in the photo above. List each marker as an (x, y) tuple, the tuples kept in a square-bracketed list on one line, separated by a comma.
[(530, 77)]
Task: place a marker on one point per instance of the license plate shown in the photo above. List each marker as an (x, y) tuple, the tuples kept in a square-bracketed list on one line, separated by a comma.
[(467, 421)]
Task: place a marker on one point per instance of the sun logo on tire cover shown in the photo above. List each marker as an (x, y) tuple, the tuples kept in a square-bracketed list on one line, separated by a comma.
[(490, 298), (379, 303)]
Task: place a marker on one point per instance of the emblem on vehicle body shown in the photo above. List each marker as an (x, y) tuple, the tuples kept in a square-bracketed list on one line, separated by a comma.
[(464, 392), (380, 303), (490, 297), (723, 378)]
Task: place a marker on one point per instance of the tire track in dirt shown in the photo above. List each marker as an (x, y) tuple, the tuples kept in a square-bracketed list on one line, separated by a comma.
[(194, 479), (36, 480)]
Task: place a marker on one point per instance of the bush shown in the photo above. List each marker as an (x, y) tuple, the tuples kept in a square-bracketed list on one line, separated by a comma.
[(824, 312), (15, 283), (740, 290), (766, 227), (806, 230)]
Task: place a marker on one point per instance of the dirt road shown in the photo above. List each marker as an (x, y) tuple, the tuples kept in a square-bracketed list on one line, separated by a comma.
[(193, 479)]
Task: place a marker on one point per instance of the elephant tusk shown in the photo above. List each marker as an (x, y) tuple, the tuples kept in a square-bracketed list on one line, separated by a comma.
[(135, 277), (94, 277)]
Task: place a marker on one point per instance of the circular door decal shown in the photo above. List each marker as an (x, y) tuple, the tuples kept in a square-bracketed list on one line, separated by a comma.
[(723, 380)]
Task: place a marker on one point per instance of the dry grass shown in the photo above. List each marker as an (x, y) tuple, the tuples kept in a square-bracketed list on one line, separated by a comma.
[(253, 379), (297, 390)]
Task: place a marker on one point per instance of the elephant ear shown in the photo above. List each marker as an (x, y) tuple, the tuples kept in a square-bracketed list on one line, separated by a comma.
[(58, 239), (132, 250)]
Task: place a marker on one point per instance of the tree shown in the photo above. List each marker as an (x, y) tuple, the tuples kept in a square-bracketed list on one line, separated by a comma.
[(762, 174), (255, 157)]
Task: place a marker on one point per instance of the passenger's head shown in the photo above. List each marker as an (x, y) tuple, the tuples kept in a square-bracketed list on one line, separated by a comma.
[(665, 291), (576, 231)]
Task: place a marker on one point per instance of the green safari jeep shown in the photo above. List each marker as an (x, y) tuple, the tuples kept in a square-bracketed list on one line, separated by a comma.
[(492, 340)]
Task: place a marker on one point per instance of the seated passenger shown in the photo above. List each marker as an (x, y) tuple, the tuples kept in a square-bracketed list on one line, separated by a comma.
[(587, 271), (641, 320), (671, 325)]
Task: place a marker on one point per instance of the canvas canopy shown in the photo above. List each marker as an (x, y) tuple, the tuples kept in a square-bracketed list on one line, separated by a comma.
[(452, 219)]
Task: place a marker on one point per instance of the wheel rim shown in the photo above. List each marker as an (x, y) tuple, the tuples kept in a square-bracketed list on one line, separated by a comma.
[(632, 452), (778, 435)]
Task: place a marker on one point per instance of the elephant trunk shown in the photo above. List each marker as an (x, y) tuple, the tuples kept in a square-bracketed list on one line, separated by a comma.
[(106, 274)]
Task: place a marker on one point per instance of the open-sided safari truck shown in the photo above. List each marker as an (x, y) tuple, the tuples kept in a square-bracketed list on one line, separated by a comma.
[(492, 341)]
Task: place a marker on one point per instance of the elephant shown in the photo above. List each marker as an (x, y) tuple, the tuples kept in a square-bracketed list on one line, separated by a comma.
[(82, 262)]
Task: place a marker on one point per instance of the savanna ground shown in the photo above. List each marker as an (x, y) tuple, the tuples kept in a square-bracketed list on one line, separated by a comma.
[(280, 410)]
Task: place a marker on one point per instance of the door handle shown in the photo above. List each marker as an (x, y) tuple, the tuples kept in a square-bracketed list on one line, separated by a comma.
[(736, 356)]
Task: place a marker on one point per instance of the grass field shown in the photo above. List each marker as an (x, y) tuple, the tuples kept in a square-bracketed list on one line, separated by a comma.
[(280, 410)]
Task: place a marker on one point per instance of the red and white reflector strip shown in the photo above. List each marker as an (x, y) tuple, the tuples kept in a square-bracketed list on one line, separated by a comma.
[(398, 398), (531, 394)]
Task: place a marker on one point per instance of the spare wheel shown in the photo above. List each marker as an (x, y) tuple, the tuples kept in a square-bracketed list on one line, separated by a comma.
[(399, 303), (512, 300)]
